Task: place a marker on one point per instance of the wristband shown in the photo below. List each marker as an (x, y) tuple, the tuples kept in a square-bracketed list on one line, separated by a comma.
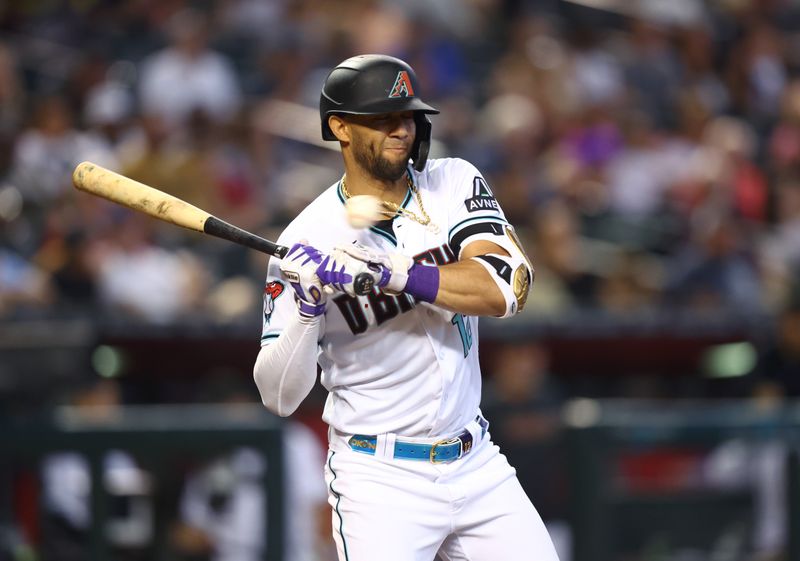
[(423, 282)]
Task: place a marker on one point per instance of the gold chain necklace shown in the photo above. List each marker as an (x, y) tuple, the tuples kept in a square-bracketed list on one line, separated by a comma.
[(393, 209)]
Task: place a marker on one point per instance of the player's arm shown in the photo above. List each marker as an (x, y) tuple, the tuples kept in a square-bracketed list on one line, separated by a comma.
[(467, 287), (286, 367), (489, 279)]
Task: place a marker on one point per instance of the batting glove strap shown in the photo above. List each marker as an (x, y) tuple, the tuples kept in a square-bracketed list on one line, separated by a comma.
[(399, 267), (309, 309), (391, 268)]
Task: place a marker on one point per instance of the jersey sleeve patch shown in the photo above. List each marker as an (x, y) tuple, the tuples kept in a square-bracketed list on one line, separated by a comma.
[(272, 291), (482, 197)]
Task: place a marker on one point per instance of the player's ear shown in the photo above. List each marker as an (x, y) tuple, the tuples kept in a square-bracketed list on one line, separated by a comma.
[(339, 128)]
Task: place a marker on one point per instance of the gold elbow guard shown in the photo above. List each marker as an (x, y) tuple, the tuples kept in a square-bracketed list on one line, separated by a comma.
[(523, 276), (522, 285)]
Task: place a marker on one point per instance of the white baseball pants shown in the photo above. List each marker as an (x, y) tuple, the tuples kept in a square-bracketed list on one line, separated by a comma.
[(472, 509)]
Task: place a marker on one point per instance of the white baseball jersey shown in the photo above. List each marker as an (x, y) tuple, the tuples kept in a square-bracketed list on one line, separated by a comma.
[(392, 364)]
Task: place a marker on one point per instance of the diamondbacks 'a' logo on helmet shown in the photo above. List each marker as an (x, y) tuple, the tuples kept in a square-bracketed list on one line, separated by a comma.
[(402, 86)]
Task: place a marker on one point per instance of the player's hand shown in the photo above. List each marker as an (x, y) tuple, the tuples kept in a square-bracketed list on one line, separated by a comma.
[(339, 271), (393, 267), (299, 267)]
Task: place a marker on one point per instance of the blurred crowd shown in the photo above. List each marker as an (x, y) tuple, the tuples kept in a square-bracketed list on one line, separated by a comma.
[(650, 160)]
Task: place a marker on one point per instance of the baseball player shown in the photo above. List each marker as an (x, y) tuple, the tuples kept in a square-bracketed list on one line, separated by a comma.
[(411, 471)]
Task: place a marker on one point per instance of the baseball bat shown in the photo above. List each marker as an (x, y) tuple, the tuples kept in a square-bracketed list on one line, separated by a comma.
[(102, 182)]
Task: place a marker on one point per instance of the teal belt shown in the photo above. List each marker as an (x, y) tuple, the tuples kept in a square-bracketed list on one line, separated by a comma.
[(443, 451)]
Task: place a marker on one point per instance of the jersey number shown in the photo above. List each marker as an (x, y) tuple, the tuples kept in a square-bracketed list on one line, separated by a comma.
[(465, 330)]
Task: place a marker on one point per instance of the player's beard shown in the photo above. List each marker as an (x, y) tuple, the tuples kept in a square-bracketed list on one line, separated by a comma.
[(375, 164)]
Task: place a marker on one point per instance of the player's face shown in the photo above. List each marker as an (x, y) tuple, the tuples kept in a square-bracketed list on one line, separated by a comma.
[(382, 144)]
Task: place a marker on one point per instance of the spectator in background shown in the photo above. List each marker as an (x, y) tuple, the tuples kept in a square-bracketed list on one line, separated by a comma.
[(714, 272), (639, 178), (564, 277), (46, 153), (698, 51), (512, 125), (12, 94), (139, 279), (73, 272), (756, 72), (109, 111), (652, 71), (779, 248), (23, 285), (174, 160), (783, 145), (735, 180), (630, 284), (187, 76)]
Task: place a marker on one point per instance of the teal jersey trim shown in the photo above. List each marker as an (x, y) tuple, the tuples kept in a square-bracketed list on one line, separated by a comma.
[(339, 192), (269, 336), (384, 234), (338, 513)]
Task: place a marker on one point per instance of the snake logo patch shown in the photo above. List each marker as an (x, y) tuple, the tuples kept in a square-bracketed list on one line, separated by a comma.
[(272, 290)]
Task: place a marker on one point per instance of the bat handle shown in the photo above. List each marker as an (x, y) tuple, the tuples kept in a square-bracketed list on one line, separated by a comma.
[(280, 251), (362, 285)]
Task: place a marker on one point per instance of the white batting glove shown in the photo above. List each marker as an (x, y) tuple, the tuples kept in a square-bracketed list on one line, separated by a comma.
[(299, 267), (393, 267), (340, 271)]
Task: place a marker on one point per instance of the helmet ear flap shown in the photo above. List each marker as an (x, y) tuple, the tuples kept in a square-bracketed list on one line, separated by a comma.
[(422, 142), (327, 133)]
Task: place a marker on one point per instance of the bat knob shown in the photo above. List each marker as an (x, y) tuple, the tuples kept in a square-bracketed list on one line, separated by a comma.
[(363, 284)]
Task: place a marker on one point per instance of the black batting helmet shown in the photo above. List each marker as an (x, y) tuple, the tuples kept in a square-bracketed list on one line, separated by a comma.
[(375, 84)]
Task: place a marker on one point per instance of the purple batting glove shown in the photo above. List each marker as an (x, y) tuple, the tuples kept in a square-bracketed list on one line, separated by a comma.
[(299, 268)]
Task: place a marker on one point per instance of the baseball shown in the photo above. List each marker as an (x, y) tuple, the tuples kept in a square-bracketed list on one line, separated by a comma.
[(363, 211)]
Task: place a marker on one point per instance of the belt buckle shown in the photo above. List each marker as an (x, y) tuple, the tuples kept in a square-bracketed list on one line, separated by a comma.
[(444, 443)]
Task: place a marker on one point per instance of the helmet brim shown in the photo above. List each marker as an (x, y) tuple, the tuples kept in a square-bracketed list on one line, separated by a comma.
[(378, 108), (388, 106)]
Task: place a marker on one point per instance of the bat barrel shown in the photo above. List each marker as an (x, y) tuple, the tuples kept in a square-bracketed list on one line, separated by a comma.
[(122, 190), (125, 191)]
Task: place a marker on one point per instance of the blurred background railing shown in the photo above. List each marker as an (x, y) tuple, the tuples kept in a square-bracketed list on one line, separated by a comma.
[(691, 480), (128, 501)]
